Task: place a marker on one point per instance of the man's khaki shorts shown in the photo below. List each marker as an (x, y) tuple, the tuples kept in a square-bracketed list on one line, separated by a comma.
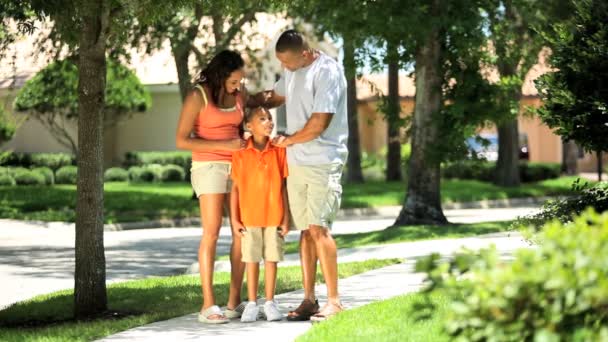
[(314, 193), (260, 243), (211, 178)]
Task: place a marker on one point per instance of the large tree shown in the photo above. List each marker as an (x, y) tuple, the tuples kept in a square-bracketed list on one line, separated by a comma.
[(575, 95), (87, 28)]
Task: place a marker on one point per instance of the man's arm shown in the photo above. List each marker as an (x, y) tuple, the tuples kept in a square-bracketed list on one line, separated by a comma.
[(266, 98), (314, 127)]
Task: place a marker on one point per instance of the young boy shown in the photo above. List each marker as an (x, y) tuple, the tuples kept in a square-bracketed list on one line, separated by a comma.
[(258, 209)]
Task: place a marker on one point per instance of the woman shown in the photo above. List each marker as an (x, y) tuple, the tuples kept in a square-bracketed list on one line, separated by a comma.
[(213, 111)]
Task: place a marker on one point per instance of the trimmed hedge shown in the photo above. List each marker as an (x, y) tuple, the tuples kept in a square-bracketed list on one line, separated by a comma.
[(24, 176), (180, 158), (485, 171), (54, 161), (556, 292), (172, 173), (7, 180), (47, 173), (66, 175), (116, 174)]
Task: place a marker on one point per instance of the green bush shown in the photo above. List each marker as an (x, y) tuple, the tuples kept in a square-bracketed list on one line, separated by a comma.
[(556, 292), (52, 160), (534, 172), (6, 179), (485, 171), (564, 209), (181, 158), (47, 173), (172, 173), (24, 176), (17, 159), (145, 174), (66, 175), (116, 174)]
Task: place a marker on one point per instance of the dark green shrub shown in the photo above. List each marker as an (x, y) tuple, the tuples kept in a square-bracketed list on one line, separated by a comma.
[(47, 173), (469, 169), (66, 175), (24, 176), (116, 174), (534, 172), (564, 209), (172, 173), (17, 159), (556, 292), (145, 174), (52, 160), (485, 171)]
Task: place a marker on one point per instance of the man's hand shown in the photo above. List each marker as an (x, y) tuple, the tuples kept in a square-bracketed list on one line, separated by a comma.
[(238, 228), (282, 141), (284, 230)]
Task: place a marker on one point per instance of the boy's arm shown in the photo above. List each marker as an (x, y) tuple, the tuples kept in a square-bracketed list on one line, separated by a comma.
[(235, 215), (285, 224)]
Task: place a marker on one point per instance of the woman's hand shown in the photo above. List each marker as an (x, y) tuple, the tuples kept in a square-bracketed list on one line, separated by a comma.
[(236, 144)]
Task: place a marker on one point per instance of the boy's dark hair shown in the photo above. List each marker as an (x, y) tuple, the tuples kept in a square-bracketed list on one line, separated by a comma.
[(250, 113), (291, 40), (218, 70)]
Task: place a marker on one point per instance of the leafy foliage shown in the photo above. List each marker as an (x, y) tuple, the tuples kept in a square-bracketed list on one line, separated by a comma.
[(116, 174), (66, 175), (575, 95), (565, 209), (484, 170), (556, 292)]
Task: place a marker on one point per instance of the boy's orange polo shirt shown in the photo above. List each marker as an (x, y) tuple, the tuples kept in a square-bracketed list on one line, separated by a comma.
[(259, 176)]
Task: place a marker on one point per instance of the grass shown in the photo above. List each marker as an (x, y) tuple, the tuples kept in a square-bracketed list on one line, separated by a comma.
[(376, 194), (396, 319), (127, 202), (48, 317), (411, 233), (408, 233)]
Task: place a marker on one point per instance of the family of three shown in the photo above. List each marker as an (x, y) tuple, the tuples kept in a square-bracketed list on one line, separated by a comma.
[(268, 185)]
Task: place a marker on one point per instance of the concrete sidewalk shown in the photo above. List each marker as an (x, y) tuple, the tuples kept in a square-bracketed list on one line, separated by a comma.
[(355, 291)]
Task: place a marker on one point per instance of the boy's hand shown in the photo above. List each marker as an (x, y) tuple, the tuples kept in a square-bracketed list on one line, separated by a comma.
[(284, 230), (238, 228)]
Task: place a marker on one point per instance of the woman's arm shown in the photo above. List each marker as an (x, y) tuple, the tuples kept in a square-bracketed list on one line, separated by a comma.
[(235, 215), (183, 141)]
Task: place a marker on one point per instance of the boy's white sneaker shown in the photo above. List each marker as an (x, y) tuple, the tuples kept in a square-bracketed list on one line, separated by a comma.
[(271, 310), (250, 313)]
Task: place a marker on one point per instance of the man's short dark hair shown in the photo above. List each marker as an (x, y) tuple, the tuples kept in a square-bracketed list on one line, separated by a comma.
[(291, 40)]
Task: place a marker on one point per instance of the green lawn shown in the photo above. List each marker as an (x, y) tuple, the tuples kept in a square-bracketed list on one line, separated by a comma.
[(408, 233), (396, 319), (125, 202), (412, 233), (48, 317)]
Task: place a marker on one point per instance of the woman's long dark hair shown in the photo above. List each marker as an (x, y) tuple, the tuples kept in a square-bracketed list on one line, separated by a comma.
[(218, 70)]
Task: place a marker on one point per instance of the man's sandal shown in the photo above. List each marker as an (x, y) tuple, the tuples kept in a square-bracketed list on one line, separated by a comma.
[(303, 312), (328, 311), (212, 315)]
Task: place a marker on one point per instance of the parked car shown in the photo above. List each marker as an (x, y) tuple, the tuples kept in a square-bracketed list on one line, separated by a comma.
[(485, 146)]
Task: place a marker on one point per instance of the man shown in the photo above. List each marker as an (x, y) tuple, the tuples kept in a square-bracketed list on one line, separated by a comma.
[(313, 88)]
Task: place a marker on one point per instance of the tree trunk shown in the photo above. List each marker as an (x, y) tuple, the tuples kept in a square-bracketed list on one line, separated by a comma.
[(90, 274), (180, 56), (393, 155), (569, 157), (600, 166), (423, 202), (507, 166), (354, 173)]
